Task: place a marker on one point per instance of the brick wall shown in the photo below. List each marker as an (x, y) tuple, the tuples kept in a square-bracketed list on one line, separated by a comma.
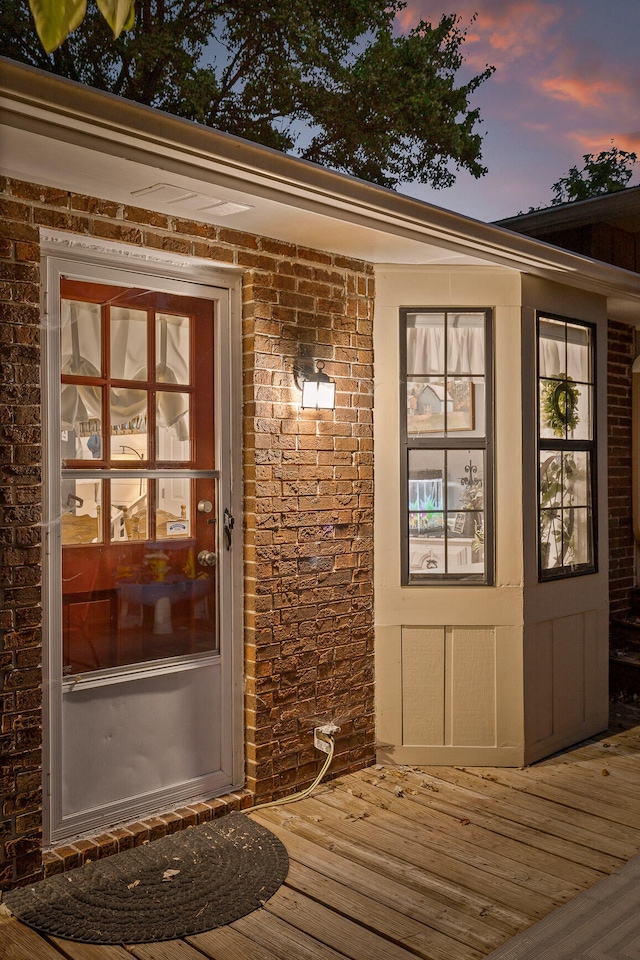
[(621, 354), (20, 496), (308, 500)]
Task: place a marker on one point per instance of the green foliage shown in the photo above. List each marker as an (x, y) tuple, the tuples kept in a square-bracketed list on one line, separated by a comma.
[(610, 171), (559, 405), (332, 82), (557, 514)]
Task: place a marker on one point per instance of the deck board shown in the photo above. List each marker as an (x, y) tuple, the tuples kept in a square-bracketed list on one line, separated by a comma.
[(457, 926), (399, 863), (483, 835)]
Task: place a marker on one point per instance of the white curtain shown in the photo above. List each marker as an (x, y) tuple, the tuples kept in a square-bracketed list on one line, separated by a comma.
[(81, 344), (554, 363), (425, 349)]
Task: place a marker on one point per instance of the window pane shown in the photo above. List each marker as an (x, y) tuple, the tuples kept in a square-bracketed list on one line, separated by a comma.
[(172, 349), (579, 353), (550, 539), (81, 341), (465, 480), (576, 485), (427, 400), (129, 510), (437, 406), (552, 359), (128, 344), (173, 438), (173, 508), (128, 424), (465, 343), (461, 406), (583, 429), (81, 510), (550, 479), (426, 511), (561, 410), (565, 510), (465, 543), (581, 549), (425, 343)]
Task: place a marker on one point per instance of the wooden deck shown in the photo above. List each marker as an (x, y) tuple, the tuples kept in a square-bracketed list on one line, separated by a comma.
[(399, 863)]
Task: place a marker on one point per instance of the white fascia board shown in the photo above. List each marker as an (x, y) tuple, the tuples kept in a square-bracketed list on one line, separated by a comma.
[(57, 111)]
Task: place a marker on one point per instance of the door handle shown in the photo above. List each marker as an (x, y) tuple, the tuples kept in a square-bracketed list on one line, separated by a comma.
[(227, 524), (207, 558)]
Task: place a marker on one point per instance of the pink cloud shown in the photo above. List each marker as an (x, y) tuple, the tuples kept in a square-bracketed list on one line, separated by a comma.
[(503, 32), (556, 87), (590, 141), (588, 93)]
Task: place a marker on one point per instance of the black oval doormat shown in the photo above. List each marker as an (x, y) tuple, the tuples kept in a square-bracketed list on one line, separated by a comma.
[(183, 884)]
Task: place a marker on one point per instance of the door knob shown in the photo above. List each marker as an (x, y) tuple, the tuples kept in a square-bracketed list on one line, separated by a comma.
[(207, 558)]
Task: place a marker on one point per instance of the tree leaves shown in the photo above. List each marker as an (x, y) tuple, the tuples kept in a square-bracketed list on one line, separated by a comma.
[(609, 172), (335, 83)]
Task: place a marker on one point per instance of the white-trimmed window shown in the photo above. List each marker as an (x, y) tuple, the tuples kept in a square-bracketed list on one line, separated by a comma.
[(446, 414), (566, 448)]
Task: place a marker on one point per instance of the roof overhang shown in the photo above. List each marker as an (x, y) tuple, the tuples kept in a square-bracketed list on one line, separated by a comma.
[(65, 135), (620, 209)]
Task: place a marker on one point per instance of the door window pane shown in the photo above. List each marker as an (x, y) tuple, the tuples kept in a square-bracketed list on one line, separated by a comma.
[(81, 439), (128, 423), (173, 438), (81, 511), (81, 340), (128, 343), (172, 349), (81, 361), (129, 509), (173, 508)]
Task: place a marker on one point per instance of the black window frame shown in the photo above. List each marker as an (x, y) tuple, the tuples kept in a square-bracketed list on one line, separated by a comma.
[(485, 444), (566, 446)]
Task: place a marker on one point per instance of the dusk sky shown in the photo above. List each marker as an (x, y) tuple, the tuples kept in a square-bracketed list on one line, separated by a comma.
[(567, 82)]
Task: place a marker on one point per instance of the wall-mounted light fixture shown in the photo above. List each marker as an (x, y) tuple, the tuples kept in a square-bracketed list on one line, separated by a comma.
[(318, 390)]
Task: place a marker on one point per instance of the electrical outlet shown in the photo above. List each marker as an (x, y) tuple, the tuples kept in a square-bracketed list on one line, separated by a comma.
[(321, 736)]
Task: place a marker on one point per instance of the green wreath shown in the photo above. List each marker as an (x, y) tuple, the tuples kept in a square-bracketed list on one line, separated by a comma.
[(559, 405)]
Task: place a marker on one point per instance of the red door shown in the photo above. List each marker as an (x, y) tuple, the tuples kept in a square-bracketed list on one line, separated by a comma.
[(139, 514)]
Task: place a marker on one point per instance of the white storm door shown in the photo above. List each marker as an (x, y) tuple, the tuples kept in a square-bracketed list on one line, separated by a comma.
[(140, 549)]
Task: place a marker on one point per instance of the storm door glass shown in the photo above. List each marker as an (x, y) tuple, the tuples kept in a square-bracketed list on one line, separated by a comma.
[(139, 523)]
